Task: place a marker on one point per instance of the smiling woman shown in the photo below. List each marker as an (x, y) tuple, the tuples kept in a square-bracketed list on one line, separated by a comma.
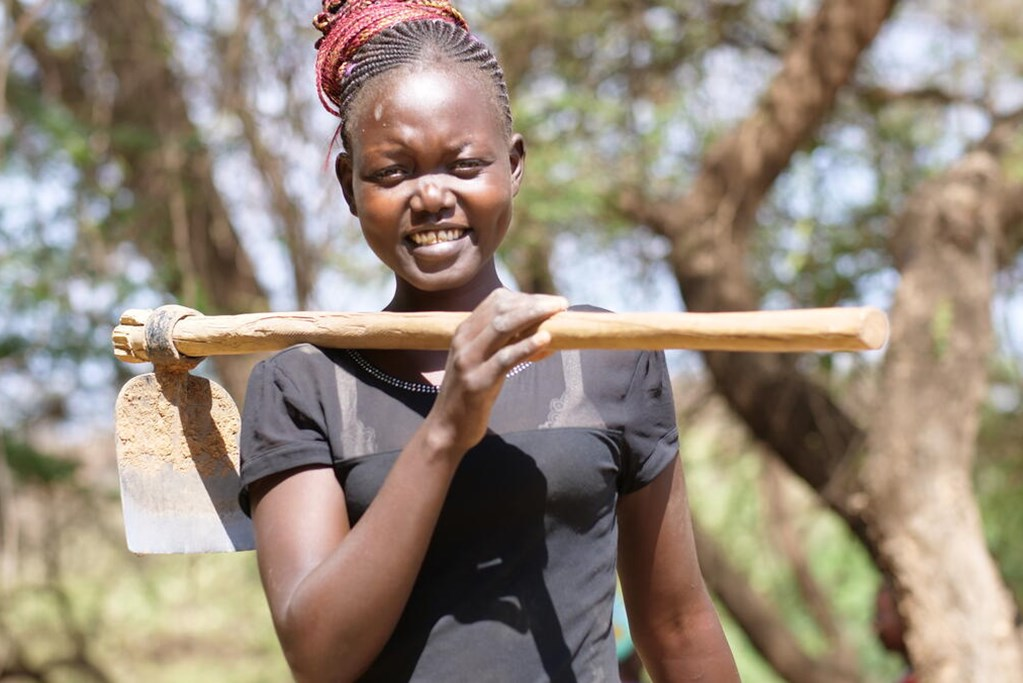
[(460, 515)]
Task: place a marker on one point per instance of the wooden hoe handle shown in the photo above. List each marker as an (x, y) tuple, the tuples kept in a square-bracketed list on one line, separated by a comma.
[(191, 334)]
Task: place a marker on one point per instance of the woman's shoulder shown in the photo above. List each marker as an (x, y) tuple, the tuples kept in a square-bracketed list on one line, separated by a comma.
[(301, 364), (610, 358), (589, 308), (301, 356)]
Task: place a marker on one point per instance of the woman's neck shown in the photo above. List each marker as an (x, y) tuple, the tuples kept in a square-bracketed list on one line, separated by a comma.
[(419, 365), (408, 298)]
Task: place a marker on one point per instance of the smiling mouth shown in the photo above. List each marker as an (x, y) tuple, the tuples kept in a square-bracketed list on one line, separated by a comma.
[(427, 237)]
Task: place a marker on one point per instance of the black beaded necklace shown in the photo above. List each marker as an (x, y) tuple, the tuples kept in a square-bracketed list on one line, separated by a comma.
[(405, 385)]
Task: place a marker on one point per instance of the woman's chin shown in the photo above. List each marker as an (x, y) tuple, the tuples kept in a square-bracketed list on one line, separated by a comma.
[(455, 280)]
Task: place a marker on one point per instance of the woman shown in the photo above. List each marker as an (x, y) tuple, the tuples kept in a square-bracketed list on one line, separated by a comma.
[(457, 515)]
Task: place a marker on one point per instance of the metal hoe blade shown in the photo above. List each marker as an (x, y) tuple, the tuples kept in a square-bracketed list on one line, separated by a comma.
[(177, 460)]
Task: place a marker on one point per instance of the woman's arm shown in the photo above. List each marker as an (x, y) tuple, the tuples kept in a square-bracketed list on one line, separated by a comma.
[(336, 591), (672, 620)]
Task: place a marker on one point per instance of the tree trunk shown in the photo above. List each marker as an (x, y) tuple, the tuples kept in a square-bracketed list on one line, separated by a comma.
[(922, 516), (709, 228), (181, 213), (179, 220), (917, 476)]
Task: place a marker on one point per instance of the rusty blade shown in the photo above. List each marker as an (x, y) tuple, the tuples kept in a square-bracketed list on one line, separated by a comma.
[(177, 460)]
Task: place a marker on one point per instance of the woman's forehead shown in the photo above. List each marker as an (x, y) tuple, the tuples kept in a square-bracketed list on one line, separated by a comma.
[(427, 87)]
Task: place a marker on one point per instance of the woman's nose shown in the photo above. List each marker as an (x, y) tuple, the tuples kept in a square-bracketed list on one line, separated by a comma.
[(431, 196)]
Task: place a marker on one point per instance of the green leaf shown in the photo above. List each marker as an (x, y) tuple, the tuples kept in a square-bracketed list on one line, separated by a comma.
[(31, 466)]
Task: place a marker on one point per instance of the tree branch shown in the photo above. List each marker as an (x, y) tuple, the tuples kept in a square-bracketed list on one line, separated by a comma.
[(23, 22), (781, 527), (877, 96), (944, 243), (760, 620), (710, 225), (235, 99)]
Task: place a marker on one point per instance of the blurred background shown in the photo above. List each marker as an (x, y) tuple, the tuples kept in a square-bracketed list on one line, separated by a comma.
[(699, 155)]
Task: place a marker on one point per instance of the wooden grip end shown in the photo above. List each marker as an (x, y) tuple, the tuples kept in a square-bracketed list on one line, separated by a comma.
[(875, 328), (129, 337)]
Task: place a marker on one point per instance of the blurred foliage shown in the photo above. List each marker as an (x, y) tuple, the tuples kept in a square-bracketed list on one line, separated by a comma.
[(724, 477), (999, 476), (78, 607), (29, 465)]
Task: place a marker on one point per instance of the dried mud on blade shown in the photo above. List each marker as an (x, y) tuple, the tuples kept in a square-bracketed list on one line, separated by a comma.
[(177, 460)]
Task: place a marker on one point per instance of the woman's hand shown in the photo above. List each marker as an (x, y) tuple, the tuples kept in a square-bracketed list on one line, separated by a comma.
[(500, 334)]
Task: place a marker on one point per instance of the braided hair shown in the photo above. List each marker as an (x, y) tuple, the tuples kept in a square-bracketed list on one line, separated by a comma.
[(365, 38)]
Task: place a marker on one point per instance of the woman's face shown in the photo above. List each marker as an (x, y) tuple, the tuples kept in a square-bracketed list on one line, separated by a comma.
[(431, 174)]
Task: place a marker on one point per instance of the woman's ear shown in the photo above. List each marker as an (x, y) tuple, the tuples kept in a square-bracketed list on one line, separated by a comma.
[(517, 159), (343, 169)]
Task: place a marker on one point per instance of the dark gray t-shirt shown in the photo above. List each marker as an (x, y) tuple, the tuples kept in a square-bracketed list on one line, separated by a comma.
[(519, 580)]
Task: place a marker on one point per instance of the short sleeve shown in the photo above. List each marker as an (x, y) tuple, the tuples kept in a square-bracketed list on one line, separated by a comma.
[(283, 426), (651, 427)]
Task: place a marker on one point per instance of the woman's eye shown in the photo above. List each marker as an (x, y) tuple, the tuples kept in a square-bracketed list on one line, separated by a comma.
[(466, 167), (391, 173)]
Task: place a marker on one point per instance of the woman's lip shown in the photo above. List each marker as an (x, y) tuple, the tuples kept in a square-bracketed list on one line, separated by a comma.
[(436, 254), (435, 236)]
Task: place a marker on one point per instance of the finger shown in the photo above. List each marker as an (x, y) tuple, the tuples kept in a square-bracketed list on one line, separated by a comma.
[(518, 316), (502, 319), (532, 347), (540, 355)]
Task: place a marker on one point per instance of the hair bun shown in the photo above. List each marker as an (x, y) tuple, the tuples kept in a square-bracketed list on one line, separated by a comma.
[(347, 25), (324, 21)]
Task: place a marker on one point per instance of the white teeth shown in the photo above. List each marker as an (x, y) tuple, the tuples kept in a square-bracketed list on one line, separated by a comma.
[(435, 236)]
